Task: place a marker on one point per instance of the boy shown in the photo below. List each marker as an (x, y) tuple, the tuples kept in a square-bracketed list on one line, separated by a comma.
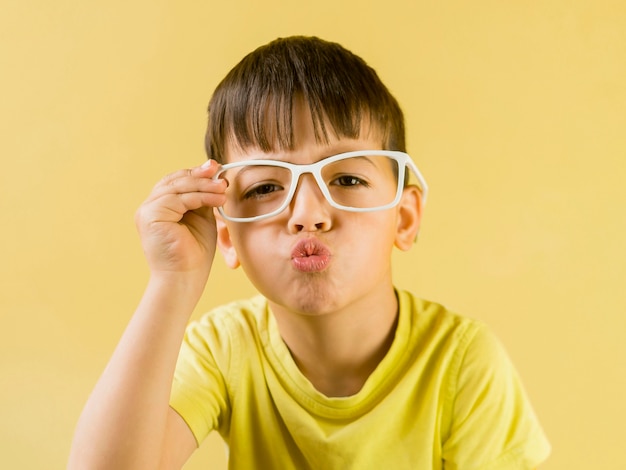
[(307, 189)]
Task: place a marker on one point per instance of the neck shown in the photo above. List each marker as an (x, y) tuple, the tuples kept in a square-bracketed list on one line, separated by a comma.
[(338, 351)]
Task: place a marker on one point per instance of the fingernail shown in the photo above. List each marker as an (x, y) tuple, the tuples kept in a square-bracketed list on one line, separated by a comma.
[(207, 164)]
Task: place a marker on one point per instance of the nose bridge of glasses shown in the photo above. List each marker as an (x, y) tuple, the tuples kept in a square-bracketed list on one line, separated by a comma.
[(309, 179)]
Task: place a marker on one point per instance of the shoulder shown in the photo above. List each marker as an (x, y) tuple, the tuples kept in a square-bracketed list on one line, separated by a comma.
[(473, 350), (227, 328), (488, 417), (217, 344), (437, 329), (240, 315)]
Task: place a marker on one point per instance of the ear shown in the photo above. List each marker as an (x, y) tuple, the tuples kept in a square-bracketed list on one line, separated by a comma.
[(225, 243), (409, 217)]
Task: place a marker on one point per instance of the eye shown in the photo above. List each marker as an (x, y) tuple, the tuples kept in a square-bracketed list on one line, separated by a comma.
[(262, 190), (349, 181)]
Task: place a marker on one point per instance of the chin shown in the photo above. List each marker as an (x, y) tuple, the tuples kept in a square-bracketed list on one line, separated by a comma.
[(309, 297)]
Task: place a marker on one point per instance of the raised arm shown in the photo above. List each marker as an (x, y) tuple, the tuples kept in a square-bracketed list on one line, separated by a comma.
[(127, 422)]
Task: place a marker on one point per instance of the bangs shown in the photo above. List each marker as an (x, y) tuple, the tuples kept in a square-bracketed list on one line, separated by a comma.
[(253, 106), (267, 123)]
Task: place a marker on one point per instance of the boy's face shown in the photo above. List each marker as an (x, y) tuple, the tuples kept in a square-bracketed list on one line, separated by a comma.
[(312, 258)]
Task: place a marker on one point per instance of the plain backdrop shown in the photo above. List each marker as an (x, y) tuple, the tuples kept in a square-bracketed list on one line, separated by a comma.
[(516, 114)]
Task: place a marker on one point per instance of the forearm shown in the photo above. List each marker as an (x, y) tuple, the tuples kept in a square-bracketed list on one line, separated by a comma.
[(124, 421)]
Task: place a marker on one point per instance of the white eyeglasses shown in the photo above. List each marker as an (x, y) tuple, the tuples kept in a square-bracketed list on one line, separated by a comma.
[(359, 181)]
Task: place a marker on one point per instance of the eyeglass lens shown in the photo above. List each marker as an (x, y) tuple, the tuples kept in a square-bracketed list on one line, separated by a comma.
[(365, 182)]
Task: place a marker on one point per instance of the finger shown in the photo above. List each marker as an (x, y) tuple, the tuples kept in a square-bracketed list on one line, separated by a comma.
[(207, 170), (187, 181), (172, 207)]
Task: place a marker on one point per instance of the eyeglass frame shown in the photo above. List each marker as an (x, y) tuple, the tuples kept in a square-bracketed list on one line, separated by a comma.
[(297, 170)]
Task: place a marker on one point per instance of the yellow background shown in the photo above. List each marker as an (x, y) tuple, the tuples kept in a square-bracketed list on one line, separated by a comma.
[(516, 114)]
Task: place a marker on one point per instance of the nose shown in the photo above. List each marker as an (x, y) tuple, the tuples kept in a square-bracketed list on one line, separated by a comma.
[(308, 211)]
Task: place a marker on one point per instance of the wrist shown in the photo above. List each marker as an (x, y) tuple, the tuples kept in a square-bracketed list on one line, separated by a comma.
[(180, 289)]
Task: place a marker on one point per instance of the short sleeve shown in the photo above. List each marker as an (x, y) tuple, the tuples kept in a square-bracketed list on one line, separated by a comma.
[(199, 390), (493, 425)]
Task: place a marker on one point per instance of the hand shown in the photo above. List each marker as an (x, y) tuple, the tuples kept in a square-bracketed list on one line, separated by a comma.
[(176, 222)]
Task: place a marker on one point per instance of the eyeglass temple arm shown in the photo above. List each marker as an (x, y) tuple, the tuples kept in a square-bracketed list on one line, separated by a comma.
[(421, 180)]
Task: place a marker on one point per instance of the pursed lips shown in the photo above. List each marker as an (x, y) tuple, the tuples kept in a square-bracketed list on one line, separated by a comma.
[(310, 256)]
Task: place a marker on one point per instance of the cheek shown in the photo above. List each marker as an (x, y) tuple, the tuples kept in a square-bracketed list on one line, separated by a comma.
[(254, 247), (373, 233)]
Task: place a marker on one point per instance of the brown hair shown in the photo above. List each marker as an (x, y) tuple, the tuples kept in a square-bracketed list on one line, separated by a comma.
[(253, 105)]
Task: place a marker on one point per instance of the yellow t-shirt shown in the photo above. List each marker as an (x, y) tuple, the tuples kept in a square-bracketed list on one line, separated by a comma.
[(445, 396)]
